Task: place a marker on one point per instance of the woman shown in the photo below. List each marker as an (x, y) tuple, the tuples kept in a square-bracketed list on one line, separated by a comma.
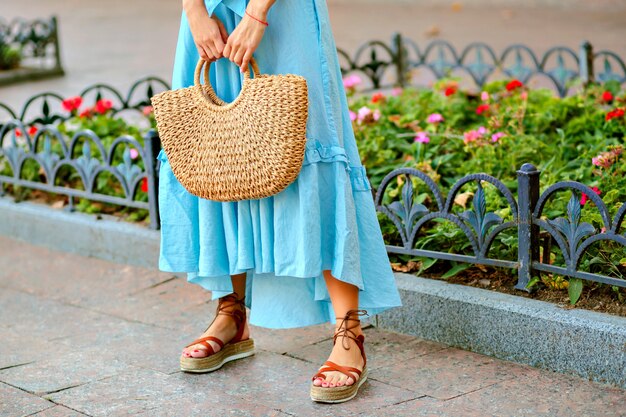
[(310, 254)]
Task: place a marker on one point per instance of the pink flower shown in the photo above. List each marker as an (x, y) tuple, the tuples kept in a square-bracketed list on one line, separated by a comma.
[(496, 136), (474, 135), (435, 118), (524, 95), (351, 81), (484, 96), (396, 91), (586, 198), (147, 111), (134, 153), (421, 137), (352, 115), (365, 114)]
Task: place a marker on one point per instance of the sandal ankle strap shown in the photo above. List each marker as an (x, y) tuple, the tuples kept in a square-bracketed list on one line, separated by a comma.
[(344, 330)]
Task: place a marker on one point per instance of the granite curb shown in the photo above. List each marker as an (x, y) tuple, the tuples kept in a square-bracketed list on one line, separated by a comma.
[(572, 341), (538, 333)]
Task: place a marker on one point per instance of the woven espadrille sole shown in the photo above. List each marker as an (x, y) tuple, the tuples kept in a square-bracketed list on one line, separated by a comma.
[(230, 352), (337, 394)]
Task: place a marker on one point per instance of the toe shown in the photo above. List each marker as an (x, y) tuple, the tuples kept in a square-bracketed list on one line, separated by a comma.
[(350, 381), (317, 382)]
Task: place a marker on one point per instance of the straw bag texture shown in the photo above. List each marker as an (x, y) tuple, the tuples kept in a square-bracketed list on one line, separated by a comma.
[(252, 147)]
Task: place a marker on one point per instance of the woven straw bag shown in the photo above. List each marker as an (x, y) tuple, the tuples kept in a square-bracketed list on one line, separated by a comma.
[(252, 147)]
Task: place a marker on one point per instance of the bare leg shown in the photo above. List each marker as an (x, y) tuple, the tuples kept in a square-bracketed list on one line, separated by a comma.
[(344, 297), (223, 326)]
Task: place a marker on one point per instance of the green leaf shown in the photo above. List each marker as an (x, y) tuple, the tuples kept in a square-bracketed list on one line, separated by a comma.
[(533, 282), (575, 288), (427, 263), (459, 267)]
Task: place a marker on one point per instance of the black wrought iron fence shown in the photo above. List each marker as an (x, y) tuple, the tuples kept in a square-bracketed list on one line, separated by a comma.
[(85, 153), (572, 236), (32, 47), (394, 63)]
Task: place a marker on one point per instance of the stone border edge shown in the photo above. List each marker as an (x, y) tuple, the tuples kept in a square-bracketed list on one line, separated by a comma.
[(589, 344)]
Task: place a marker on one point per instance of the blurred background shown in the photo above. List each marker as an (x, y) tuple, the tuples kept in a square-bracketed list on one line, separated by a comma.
[(119, 41)]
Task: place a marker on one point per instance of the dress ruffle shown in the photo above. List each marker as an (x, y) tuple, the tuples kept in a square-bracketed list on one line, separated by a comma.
[(324, 220)]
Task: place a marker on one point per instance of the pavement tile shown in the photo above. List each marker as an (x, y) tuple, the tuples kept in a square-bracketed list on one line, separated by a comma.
[(71, 278), (134, 343), (128, 393), (427, 407), (173, 304), (282, 383), (290, 340), (15, 402), (145, 392), (382, 348), (58, 411), (28, 314), (446, 373), (60, 372), (539, 393)]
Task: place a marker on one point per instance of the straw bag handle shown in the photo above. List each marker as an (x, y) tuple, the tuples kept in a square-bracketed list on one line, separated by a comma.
[(209, 93)]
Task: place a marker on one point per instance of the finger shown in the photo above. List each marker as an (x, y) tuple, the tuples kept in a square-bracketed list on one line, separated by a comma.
[(239, 56), (227, 50), (202, 52), (246, 60), (209, 46), (223, 31)]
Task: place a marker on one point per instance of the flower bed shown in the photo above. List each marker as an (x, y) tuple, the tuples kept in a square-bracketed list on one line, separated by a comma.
[(97, 137), (447, 134)]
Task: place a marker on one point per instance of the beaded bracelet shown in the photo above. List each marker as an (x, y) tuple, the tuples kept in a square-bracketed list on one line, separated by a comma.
[(258, 20)]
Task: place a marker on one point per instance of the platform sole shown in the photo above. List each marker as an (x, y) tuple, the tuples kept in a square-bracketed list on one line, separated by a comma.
[(213, 362), (337, 394)]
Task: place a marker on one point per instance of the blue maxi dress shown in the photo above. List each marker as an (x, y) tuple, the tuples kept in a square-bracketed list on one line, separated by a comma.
[(325, 219)]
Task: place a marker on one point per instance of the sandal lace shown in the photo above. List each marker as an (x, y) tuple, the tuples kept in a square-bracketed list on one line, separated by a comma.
[(344, 329)]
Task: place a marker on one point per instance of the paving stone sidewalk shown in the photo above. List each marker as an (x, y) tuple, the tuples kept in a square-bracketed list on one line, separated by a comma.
[(82, 336)]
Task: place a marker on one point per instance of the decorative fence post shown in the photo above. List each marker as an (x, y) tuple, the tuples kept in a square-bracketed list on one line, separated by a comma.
[(585, 57), (399, 58), (57, 48), (152, 147), (527, 232)]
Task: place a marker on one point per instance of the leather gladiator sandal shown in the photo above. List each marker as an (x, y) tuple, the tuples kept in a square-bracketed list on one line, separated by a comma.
[(236, 348), (344, 392)]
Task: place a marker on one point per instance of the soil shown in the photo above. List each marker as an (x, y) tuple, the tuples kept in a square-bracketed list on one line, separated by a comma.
[(595, 296)]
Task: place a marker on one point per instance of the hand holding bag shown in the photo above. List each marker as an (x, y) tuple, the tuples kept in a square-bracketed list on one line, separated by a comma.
[(252, 147)]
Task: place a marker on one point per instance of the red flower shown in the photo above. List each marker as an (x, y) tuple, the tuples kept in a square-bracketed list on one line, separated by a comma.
[(482, 109), (144, 184), (450, 90), (148, 110), (607, 96), (377, 97), (103, 105), (85, 113), (72, 104), (32, 130), (586, 198), (614, 114), (18, 133), (512, 85)]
